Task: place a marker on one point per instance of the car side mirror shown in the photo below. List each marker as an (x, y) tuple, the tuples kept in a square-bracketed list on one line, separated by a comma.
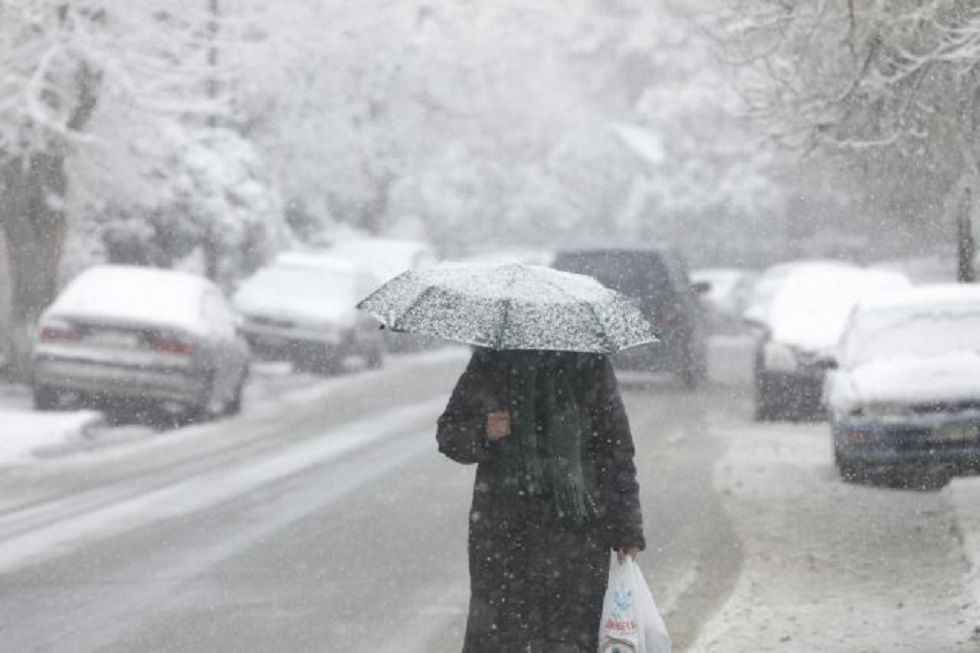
[(701, 287), (758, 328), (827, 363)]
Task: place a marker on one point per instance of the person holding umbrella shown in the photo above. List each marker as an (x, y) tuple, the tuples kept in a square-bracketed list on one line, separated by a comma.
[(538, 410), (555, 490)]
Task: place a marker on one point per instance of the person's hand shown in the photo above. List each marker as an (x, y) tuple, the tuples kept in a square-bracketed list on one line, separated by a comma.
[(624, 551), (498, 425)]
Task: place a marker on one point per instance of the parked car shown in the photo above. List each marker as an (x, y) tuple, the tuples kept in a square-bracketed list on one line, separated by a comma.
[(658, 280), (386, 258), (301, 308), (727, 296), (799, 328), (905, 390), (764, 290), (120, 333)]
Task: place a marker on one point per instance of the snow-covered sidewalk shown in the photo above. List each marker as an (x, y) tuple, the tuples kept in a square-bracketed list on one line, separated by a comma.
[(836, 566)]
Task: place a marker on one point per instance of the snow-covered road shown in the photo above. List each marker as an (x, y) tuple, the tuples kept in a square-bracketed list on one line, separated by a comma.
[(323, 518)]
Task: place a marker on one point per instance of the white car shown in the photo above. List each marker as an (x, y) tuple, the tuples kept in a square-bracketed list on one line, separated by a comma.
[(131, 334), (905, 390), (803, 322), (301, 308), (385, 258)]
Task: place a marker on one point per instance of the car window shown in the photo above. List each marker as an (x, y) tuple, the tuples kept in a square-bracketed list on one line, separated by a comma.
[(886, 334), (638, 275)]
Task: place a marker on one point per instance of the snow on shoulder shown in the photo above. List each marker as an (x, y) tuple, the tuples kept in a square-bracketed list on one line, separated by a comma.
[(122, 293)]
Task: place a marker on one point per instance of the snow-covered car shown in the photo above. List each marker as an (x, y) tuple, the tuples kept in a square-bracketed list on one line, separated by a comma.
[(906, 385), (160, 337), (801, 327), (765, 287), (301, 308), (385, 257)]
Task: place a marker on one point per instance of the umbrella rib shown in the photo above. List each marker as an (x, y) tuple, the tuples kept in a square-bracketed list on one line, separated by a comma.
[(411, 307), (605, 334), (504, 320)]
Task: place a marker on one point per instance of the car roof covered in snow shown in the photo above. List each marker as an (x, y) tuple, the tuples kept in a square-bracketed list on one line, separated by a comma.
[(127, 294), (925, 296), (383, 258), (811, 307)]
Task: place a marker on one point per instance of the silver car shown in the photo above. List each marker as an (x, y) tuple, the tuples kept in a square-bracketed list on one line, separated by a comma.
[(128, 334), (301, 308)]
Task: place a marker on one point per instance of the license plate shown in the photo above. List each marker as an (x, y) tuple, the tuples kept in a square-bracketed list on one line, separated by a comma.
[(113, 339), (958, 433)]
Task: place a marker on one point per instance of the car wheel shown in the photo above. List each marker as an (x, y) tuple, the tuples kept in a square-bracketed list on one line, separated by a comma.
[(765, 409), (46, 398), (234, 406), (848, 469), (204, 410), (375, 359), (694, 368)]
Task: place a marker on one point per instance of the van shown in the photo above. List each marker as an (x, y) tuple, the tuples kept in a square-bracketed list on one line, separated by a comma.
[(657, 279)]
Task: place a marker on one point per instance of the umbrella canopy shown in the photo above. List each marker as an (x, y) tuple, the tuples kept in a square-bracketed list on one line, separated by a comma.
[(510, 307)]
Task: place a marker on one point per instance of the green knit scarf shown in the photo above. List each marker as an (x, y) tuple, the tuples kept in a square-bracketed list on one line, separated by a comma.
[(559, 471)]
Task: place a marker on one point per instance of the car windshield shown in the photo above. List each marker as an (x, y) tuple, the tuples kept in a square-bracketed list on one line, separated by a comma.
[(881, 335), (634, 275)]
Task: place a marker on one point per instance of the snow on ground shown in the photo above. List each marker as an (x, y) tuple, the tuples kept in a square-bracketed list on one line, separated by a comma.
[(23, 432), (830, 565), (835, 566), (27, 435)]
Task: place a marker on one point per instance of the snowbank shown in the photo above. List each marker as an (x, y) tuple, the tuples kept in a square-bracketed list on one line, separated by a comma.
[(24, 432)]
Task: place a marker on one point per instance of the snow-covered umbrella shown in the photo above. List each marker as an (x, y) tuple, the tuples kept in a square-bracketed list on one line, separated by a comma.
[(512, 306)]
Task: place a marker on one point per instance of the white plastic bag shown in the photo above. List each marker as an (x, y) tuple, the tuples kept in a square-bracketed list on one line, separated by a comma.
[(630, 622)]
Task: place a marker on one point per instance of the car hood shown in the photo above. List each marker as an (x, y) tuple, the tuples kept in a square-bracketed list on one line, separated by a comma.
[(908, 380)]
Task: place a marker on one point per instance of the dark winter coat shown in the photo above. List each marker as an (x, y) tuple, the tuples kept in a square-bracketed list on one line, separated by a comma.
[(537, 581)]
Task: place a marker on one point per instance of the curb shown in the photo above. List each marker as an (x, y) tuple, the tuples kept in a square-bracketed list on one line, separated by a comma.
[(965, 497)]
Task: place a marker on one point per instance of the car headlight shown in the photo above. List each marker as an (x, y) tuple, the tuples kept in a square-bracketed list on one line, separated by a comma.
[(779, 357)]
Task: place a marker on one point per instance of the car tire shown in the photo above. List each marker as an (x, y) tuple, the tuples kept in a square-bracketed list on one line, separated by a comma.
[(766, 410), (46, 398), (203, 411), (848, 469), (375, 359), (694, 367), (234, 405)]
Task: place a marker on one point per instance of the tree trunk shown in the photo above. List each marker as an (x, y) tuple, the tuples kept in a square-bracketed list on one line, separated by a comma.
[(34, 228), (965, 243)]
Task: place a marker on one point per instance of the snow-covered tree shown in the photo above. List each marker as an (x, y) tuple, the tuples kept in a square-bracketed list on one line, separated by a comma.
[(889, 88), (104, 102)]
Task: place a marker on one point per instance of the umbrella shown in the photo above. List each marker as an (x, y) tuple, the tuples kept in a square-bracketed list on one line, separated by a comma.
[(511, 306)]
